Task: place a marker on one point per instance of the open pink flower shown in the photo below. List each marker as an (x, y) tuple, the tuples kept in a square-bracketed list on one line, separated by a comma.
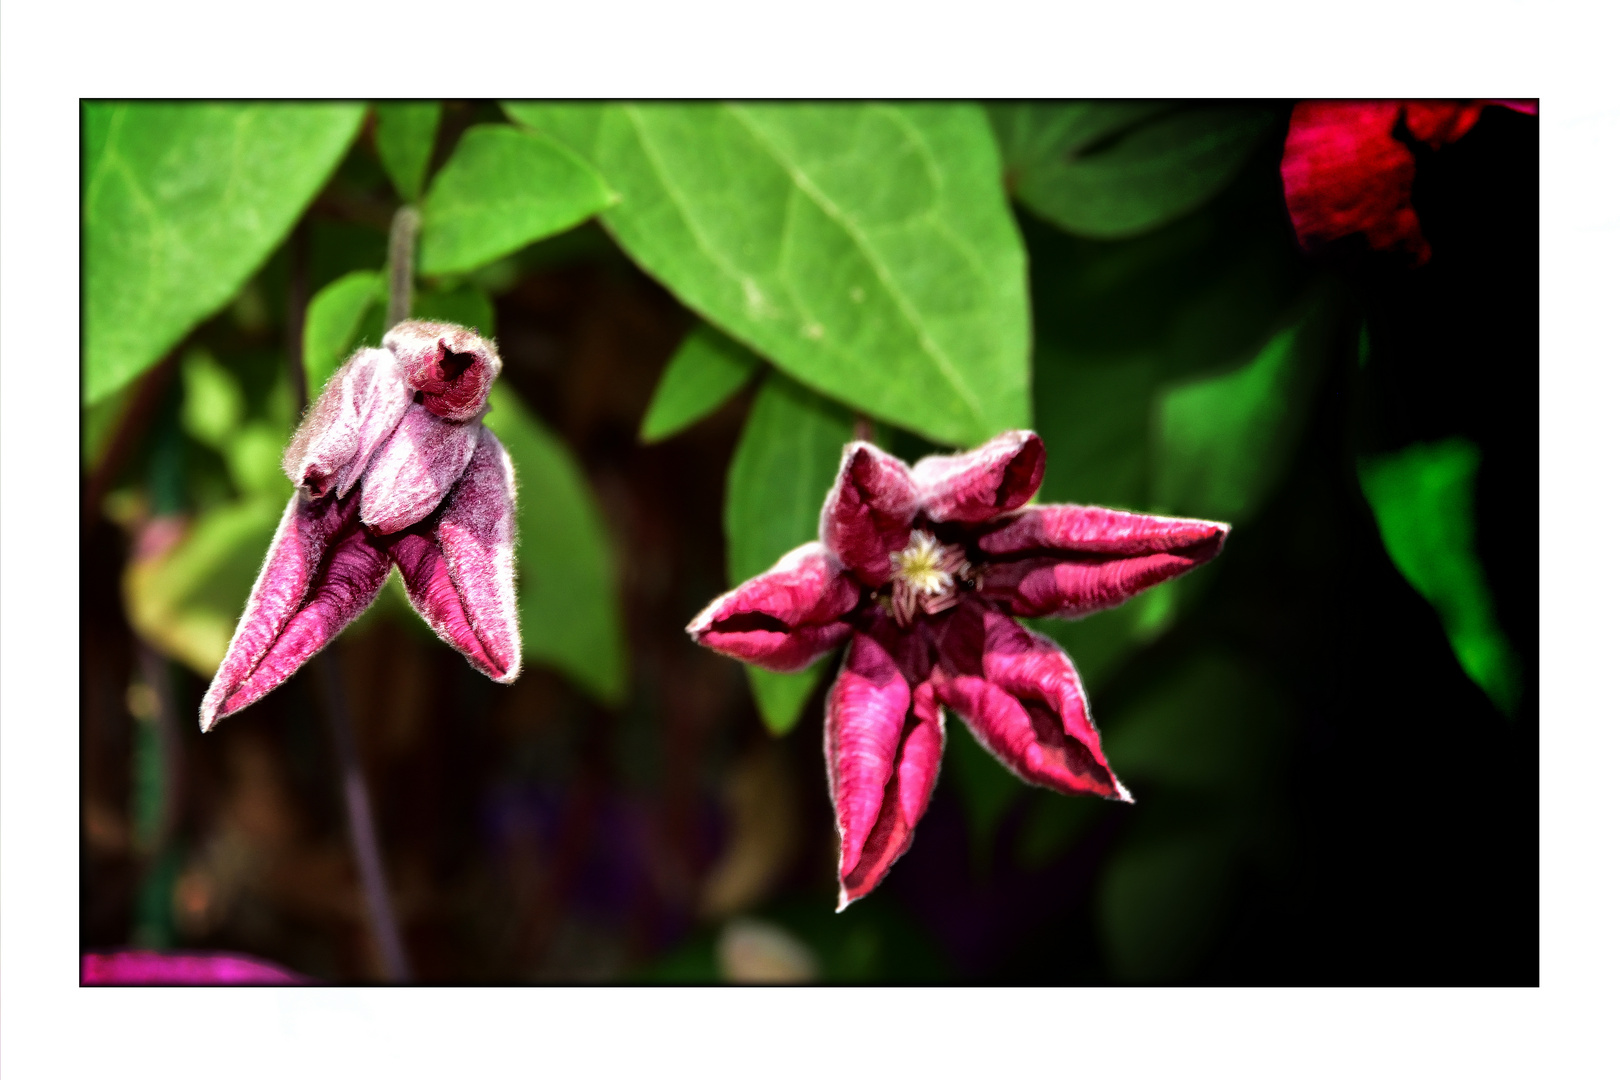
[(394, 467), (1344, 171), (921, 570), (139, 967)]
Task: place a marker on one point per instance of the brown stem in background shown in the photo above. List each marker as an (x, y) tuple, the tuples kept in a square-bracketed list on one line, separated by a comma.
[(362, 828), (863, 427), (401, 262), (297, 302), (131, 427), (154, 669)]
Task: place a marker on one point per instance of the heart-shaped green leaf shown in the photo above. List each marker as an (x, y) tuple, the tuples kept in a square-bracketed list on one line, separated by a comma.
[(182, 203), (866, 250), (501, 190), (404, 136)]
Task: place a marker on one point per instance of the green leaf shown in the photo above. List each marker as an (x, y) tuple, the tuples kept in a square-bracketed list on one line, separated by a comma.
[(704, 373), (1120, 169), (334, 320), (1423, 500), (781, 696), (182, 203), (785, 461), (1222, 443), (212, 407), (865, 249), (186, 601), (404, 135), (567, 602), (501, 190)]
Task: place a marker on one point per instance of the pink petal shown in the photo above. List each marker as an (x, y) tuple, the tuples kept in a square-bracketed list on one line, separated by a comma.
[(1064, 528), (459, 575), (1440, 122), (882, 762), (414, 469), (142, 968), (1344, 172), (1019, 694), (322, 571), (869, 511), (1080, 559), (1528, 107), (452, 367), (980, 484), (784, 618), (359, 408)]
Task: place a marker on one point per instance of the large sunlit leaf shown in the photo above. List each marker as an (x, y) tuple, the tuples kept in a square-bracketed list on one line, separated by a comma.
[(706, 370), (1423, 500), (502, 189), (1117, 169), (567, 601), (182, 203), (785, 461), (867, 250), (404, 135)]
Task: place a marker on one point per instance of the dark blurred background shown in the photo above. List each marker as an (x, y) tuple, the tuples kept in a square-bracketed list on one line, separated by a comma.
[(1322, 793)]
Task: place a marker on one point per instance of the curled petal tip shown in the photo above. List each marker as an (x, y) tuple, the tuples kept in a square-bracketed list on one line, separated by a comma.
[(1122, 793), (985, 482), (449, 365)]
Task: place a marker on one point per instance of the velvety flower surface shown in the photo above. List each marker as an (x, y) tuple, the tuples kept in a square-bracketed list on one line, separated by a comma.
[(921, 570), (144, 968), (1345, 171), (394, 468)]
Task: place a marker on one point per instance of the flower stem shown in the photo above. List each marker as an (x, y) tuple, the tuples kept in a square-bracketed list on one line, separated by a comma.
[(362, 829), (356, 801), (401, 262)]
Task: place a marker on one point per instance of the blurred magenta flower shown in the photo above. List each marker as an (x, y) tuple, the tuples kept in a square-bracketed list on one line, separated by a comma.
[(1344, 171), (394, 467), (143, 968), (921, 570)]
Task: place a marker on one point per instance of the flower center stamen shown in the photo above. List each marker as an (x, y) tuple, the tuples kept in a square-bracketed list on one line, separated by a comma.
[(924, 576)]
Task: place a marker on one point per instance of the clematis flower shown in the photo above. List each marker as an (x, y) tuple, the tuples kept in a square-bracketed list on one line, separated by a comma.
[(394, 468), (921, 570), (1344, 171), (139, 967)]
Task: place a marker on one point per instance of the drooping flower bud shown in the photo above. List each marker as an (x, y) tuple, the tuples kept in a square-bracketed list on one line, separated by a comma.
[(450, 366), (359, 409)]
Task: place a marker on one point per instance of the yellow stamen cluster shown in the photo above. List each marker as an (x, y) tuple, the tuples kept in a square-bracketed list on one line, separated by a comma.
[(924, 576)]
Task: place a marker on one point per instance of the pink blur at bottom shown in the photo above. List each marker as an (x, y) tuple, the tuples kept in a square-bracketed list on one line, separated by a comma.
[(144, 968)]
